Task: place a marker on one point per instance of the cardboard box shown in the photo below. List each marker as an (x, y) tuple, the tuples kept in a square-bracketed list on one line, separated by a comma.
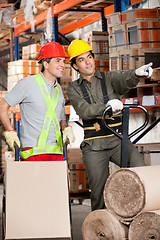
[(157, 99), (74, 155), (143, 34), (31, 52), (156, 74), (20, 69), (23, 67), (125, 59), (138, 34), (118, 38), (139, 14), (114, 19), (100, 44), (78, 178), (150, 153), (102, 65), (37, 204)]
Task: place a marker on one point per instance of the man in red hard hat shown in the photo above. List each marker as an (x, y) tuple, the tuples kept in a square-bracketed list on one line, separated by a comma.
[(42, 109)]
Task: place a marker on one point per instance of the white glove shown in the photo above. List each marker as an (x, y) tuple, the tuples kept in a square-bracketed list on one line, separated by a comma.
[(11, 138), (68, 135), (115, 104), (145, 70)]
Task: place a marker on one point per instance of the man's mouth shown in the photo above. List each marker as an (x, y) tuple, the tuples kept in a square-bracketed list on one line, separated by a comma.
[(61, 69)]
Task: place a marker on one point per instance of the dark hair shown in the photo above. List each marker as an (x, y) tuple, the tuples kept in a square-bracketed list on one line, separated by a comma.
[(73, 60), (45, 60)]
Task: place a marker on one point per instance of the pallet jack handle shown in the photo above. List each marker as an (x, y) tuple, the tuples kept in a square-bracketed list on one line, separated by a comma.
[(124, 114)]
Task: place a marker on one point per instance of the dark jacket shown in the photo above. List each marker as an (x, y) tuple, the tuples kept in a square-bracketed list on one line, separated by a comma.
[(117, 83)]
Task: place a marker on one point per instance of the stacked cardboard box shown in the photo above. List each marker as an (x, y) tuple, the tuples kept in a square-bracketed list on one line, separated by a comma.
[(65, 47), (102, 65), (132, 34), (31, 52), (134, 40), (64, 82), (77, 176), (20, 69), (100, 44)]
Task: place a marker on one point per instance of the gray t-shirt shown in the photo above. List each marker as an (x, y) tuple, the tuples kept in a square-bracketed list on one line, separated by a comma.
[(33, 109)]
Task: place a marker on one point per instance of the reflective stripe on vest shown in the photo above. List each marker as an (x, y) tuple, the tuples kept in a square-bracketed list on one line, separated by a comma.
[(50, 117)]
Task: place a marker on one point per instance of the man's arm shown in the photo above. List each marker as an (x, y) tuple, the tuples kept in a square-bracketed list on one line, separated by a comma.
[(9, 133), (85, 110), (4, 117)]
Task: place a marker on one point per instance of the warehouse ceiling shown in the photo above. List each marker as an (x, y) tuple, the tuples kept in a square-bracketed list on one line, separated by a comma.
[(12, 16)]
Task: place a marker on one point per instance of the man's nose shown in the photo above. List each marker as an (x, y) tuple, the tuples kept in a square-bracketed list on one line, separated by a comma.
[(86, 61)]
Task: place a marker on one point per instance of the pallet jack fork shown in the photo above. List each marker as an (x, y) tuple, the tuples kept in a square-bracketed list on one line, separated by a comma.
[(125, 125)]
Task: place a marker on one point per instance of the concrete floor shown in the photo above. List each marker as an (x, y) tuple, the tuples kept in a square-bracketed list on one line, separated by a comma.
[(78, 212)]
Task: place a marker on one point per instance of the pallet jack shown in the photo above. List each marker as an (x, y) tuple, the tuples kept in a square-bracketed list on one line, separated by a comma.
[(124, 114)]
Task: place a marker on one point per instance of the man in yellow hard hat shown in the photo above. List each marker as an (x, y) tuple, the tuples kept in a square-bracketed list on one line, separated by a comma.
[(89, 95)]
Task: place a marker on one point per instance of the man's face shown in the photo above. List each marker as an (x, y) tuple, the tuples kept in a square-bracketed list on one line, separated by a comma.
[(85, 64), (56, 67)]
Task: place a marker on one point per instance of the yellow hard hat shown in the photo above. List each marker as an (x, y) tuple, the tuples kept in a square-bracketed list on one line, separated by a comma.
[(78, 47)]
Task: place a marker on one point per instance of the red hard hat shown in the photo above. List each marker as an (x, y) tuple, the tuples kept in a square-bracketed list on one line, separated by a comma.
[(51, 50)]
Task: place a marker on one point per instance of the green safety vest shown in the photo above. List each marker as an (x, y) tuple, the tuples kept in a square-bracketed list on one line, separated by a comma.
[(49, 117)]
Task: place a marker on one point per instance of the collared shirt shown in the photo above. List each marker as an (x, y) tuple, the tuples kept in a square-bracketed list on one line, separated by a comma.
[(117, 83), (33, 109)]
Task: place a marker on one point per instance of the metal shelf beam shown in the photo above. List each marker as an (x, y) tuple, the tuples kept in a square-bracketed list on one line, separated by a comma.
[(60, 7)]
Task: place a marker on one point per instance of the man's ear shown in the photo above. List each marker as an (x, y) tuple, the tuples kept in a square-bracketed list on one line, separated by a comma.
[(45, 64), (75, 66)]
